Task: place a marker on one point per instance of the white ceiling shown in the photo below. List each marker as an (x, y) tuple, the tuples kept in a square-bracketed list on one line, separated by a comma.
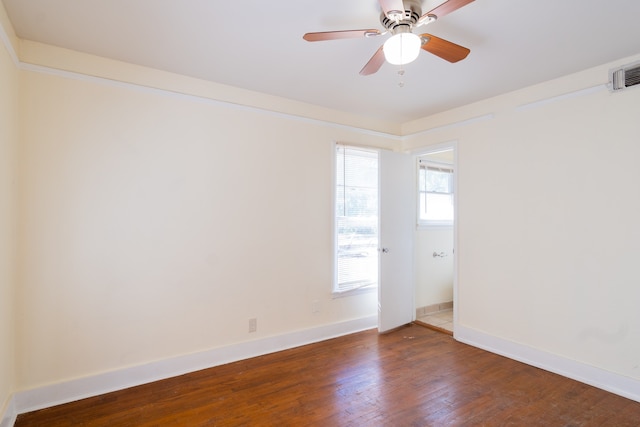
[(258, 45)]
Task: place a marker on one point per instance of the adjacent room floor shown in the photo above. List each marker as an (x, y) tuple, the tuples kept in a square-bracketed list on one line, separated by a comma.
[(441, 320)]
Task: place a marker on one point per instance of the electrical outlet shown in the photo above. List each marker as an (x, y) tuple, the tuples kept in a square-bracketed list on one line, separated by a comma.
[(253, 325), (315, 307)]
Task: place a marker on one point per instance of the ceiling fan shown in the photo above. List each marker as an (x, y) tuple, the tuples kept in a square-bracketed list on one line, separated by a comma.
[(400, 17)]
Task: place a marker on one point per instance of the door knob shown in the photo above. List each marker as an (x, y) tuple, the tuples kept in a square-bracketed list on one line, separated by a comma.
[(385, 250)]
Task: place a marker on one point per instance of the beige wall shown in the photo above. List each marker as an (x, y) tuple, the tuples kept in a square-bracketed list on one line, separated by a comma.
[(9, 79), (548, 208), (157, 225)]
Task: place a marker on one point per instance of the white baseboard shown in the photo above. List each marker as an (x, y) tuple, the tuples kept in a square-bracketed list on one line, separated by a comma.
[(9, 417), (69, 391), (605, 380)]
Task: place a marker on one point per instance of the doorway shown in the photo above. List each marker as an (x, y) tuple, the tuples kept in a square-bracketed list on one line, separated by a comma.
[(434, 238)]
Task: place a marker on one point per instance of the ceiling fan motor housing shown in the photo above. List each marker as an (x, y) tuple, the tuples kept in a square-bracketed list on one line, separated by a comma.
[(402, 21)]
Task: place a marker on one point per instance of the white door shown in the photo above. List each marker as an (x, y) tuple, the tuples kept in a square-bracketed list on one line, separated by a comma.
[(397, 224)]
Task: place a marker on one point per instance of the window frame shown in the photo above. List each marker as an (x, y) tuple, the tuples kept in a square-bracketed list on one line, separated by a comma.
[(337, 291), (442, 166)]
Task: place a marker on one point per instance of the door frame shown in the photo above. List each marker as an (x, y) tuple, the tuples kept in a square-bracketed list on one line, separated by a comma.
[(453, 145)]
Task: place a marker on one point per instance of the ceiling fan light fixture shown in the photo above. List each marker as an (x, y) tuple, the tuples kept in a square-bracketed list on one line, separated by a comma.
[(402, 48)]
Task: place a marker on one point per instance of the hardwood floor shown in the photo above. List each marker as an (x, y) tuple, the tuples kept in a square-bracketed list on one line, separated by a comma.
[(413, 376)]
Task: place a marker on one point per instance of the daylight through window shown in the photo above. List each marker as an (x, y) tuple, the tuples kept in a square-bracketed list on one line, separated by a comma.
[(435, 193), (356, 218)]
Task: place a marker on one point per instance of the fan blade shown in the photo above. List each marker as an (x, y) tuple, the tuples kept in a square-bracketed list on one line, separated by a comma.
[(444, 49), (445, 9), (374, 63), (336, 35), (390, 7)]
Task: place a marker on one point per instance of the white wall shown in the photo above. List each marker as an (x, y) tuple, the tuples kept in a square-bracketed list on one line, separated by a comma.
[(156, 225), (9, 83), (548, 208), (434, 275)]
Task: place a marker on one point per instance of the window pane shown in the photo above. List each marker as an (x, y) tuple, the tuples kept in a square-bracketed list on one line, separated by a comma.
[(357, 251), (361, 202), (435, 193), (361, 169), (438, 181), (436, 207), (340, 202), (356, 218)]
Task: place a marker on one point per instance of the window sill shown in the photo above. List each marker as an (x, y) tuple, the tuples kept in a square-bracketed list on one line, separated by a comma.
[(435, 225), (357, 291)]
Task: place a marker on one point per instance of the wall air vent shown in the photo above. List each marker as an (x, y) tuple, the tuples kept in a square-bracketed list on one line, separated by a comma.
[(624, 77)]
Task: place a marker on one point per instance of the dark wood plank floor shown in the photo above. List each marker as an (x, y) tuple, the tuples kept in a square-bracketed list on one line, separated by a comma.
[(413, 376)]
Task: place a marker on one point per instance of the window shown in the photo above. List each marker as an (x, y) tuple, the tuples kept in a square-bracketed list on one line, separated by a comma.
[(435, 193), (356, 218)]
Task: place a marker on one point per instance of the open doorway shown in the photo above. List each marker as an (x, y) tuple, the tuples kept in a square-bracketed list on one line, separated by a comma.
[(434, 240)]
